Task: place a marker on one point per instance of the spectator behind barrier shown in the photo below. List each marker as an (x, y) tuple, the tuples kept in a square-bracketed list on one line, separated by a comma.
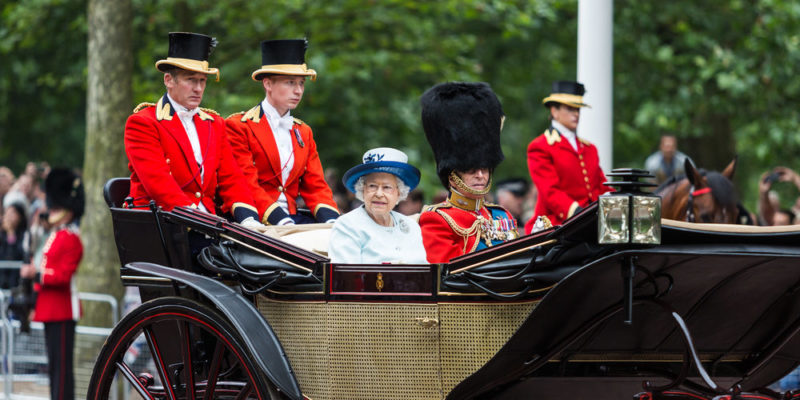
[(768, 200), (667, 161)]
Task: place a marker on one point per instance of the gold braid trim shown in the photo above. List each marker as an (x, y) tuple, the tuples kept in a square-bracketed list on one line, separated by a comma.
[(463, 188), (466, 233), (141, 106)]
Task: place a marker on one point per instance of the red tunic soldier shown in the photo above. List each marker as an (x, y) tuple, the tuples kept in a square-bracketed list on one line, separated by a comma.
[(277, 152), (564, 168), (178, 153), (57, 304), (462, 123)]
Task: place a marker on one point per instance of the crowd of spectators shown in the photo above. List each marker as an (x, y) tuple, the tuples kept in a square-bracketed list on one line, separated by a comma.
[(22, 208)]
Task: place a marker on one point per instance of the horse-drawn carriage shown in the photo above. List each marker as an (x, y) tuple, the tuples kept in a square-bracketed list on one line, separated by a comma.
[(615, 303)]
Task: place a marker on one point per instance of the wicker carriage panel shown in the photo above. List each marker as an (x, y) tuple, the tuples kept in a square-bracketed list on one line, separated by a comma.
[(472, 333), (384, 351), (301, 328)]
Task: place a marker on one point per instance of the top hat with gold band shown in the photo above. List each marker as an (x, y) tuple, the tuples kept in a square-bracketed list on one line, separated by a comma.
[(462, 122), (566, 92), (189, 51), (284, 57)]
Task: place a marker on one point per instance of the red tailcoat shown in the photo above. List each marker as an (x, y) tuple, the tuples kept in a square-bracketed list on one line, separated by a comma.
[(565, 179), (163, 167), (57, 298), (449, 231), (257, 153)]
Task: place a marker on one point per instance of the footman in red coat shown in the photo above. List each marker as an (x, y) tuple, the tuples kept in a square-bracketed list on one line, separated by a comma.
[(277, 152), (178, 153), (564, 167)]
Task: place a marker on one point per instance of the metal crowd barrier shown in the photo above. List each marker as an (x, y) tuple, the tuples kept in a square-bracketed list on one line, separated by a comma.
[(24, 356)]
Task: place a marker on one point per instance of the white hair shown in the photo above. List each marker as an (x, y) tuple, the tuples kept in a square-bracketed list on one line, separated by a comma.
[(402, 188)]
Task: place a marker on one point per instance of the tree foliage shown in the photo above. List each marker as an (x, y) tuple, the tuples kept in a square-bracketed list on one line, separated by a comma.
[(717, 73)]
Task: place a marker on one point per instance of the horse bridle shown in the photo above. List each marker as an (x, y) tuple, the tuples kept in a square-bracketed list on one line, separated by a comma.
[(690, 203)]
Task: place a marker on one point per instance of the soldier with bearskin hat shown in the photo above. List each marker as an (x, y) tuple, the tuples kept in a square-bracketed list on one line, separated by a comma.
[(178, 153), (57, 304), (277, 152), (564, 168), (462, 122)]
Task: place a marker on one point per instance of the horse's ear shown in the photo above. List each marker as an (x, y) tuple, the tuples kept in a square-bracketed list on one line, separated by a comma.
[(691, 172), (730, 169)]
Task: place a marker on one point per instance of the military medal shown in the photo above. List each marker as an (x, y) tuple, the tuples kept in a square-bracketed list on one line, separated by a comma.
[(299, 139)]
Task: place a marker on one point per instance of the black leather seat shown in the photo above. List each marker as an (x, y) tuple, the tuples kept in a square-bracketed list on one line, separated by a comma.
[(116, 190)]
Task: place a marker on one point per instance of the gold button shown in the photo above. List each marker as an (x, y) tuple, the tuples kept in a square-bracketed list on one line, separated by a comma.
[(198, 195), (586, 179), (560, 215), (582, 164), (588, 187), (168, 161), (280, 189), (580, 156), (584, 171)]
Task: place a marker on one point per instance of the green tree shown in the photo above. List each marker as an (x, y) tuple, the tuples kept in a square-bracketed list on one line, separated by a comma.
[(719, 74)]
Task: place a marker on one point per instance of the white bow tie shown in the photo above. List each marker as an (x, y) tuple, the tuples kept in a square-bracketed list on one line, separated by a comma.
[(286, 122), (187, 114)]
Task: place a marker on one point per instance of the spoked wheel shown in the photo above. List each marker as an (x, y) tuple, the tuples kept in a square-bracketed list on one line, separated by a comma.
[(173, 348)]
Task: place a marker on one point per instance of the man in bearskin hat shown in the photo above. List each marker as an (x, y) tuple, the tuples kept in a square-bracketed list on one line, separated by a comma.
[(564, 168), (178, 153), (57, 304), (277, 152), (462, 122)]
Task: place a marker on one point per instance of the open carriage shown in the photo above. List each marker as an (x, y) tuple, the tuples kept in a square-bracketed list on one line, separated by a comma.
[(712, 310)]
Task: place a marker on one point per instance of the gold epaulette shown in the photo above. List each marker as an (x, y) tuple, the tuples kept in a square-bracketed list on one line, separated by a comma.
[(253, 114), (434, 207), (586, 142), (210, 111), (552, 136), (298, 121), (236, 113), (142, 106)]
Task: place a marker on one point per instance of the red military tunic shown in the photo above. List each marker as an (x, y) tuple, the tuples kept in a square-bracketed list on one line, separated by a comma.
[(565, 179), (459, 226), (163, 166), (57, 298), (255, 150)]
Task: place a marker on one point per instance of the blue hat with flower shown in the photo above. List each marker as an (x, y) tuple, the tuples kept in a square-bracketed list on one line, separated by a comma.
[(383, 159)]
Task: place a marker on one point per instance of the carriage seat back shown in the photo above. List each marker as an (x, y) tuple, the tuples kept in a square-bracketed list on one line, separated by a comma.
[(136, 234), (116, 190)]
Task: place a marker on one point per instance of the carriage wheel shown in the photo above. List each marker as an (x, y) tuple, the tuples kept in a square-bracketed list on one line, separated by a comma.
[(173, 348)]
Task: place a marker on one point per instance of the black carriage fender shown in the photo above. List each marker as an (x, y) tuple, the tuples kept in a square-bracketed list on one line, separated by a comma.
[(265, 347)]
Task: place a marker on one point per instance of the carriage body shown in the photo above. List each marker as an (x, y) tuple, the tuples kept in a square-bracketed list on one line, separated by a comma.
[(544, 314)]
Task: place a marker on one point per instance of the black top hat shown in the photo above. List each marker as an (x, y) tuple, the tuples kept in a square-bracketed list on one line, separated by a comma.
[(566, 92), (64, 189), (189, 51), (284, 57), (462, 122)]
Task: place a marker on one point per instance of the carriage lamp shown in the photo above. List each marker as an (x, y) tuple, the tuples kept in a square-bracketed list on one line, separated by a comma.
[(629, 215)]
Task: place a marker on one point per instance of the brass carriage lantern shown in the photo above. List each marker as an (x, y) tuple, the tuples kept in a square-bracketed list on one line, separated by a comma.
[(629, 215)]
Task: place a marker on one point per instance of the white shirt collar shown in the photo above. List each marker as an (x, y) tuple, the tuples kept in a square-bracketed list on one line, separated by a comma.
[(176, 105), (270, 112), (570, 135)]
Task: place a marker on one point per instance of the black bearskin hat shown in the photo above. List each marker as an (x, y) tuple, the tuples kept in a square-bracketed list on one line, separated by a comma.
[(64, 189), (462, 122)]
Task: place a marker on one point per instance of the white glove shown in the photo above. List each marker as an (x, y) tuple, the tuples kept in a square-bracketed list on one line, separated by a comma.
[(252, 224), (286, 221)]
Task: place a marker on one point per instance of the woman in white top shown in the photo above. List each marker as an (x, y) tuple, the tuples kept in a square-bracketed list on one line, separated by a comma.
[(373, 233)]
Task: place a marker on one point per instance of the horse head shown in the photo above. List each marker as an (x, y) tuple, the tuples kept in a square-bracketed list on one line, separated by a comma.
[(702, 196)]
